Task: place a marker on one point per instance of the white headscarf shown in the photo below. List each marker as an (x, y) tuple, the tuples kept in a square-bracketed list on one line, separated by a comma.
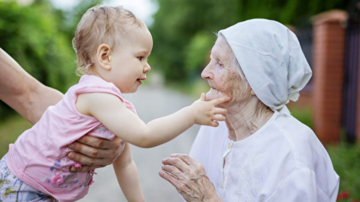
[(271, 58)]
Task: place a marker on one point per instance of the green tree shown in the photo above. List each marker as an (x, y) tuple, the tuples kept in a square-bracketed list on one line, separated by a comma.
[(179, 27), (39, 37), (30, 35), (70, 18)]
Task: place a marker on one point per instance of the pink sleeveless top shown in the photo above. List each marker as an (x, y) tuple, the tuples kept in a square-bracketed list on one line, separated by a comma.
[(38, 157)]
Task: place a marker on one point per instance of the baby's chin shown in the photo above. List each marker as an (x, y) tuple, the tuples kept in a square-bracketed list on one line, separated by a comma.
[(213, 94)]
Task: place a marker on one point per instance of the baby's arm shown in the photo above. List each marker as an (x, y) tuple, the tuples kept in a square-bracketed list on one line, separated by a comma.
[(127, 176), (113, 114)]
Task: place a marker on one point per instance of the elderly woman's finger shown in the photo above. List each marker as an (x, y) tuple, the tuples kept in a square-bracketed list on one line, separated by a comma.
[(220, 100), (182, 185), (170, 178), (218, 117), (220, 111), (185, 158), (176, 162), (173, 170)]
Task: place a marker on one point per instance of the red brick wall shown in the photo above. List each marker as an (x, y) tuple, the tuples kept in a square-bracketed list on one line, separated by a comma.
[(328, 63), (358, 105)]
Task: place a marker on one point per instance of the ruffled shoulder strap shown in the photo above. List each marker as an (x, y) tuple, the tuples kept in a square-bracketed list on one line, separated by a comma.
[(95, 84)]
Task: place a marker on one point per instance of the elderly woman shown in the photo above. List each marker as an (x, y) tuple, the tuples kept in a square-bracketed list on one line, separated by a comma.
[(261, 152)]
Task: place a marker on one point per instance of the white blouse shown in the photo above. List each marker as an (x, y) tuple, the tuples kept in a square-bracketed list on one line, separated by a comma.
[(282, 161)]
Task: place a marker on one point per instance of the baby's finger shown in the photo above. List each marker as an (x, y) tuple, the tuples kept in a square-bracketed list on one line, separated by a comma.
[(218, 110), (214, 124), (220, 100), (219, 117), (203, 97)]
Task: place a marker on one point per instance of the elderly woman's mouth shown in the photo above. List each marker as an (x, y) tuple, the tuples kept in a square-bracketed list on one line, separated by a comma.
[(213, 90), (214, 93)]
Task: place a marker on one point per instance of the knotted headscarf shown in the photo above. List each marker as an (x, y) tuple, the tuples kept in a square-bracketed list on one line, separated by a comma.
[(271, 58)]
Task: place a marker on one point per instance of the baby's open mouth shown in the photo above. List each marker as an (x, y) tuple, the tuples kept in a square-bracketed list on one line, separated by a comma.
[(140, 79)]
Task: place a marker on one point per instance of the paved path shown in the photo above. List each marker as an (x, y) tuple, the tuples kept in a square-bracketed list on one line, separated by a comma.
[(150, 102)]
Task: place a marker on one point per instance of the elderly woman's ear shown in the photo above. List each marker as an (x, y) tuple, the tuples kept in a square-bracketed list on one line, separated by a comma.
[(252, 92)]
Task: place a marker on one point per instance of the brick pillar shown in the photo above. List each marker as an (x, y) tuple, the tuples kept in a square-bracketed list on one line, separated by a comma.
[(328, 65), (358, 103)]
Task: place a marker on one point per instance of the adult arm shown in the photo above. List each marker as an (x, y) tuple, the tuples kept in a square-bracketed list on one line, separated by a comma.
[(189, 178), (30, 99), (22, 92)]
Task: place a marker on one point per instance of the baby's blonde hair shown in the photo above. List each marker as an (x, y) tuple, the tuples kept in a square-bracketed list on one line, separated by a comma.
[(100, 24)]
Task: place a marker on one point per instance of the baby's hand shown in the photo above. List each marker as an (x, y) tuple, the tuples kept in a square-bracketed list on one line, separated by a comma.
[(206, 112)]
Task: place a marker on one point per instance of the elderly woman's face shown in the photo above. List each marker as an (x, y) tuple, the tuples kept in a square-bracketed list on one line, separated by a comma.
[(221, 74)]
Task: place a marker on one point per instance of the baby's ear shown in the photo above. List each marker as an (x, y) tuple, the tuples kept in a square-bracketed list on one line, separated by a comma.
[(103, 56)]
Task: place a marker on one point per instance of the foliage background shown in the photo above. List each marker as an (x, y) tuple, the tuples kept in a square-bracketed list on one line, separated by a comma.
[(38, 37), (183, 30)]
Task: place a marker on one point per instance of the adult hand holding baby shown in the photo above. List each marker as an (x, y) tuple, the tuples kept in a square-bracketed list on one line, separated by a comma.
[(93, 152)]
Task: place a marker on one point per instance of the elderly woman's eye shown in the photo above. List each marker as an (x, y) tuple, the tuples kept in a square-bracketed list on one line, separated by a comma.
[(220, 64)]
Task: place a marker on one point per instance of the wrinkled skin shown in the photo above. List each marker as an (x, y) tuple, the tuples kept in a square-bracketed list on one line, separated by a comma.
[(222, 74), (246, 113), (189, 178)]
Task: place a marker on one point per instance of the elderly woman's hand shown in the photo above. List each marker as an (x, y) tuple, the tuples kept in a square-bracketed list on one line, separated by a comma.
[(93, 152), (189, 178)]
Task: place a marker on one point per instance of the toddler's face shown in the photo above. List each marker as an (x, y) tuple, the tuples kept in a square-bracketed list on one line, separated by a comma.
[(129, 61)]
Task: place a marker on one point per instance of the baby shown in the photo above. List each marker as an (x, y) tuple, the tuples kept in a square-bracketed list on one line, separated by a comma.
[(112, 47)]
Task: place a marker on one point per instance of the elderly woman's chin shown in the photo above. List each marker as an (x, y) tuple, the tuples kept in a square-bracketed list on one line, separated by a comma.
[(214, 94)]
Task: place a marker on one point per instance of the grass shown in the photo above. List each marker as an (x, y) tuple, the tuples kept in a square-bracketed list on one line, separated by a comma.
[(304, 115), (346, 160), (10, 129)]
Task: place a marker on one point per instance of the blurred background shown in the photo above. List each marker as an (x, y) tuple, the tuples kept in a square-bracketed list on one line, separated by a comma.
[(38, 34)]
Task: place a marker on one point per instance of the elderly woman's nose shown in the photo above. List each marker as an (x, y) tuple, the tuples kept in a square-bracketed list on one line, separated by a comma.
[(206, 73)]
